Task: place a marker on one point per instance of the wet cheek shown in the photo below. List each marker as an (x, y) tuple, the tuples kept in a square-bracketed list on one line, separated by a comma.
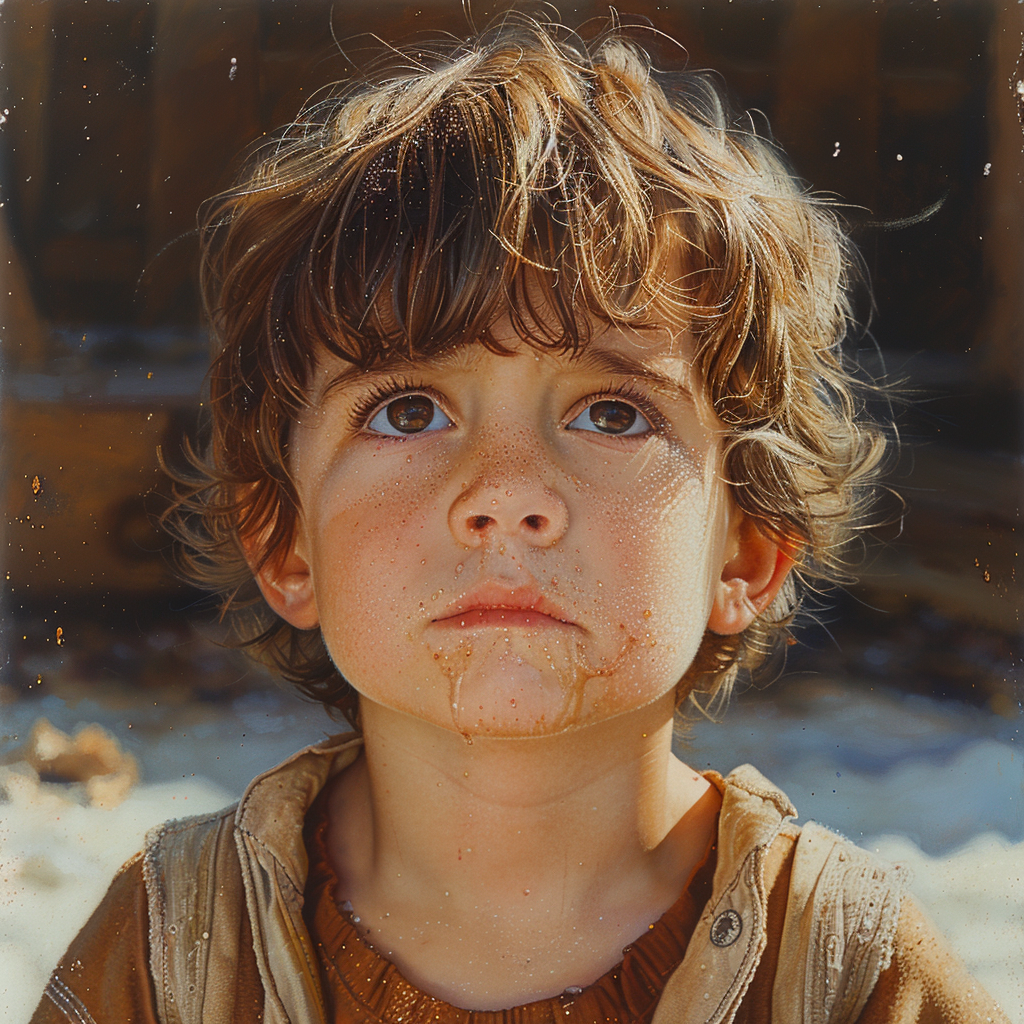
[(650, 550), (369, 557)]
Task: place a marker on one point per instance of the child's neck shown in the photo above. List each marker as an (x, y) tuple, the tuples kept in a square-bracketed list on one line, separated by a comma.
[(558, 851)]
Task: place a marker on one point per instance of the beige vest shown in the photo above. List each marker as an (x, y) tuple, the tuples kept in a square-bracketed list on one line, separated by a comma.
[(200, 872)]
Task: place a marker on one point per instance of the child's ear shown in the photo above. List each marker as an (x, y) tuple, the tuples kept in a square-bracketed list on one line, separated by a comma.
[(287, 586), (756, 566)]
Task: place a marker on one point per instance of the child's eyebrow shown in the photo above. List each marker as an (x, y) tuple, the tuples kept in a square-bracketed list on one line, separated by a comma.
[(353, 374), (593, 357), (621, 364)]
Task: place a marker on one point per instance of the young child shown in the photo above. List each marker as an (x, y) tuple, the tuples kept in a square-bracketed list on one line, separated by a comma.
[(529, 421)]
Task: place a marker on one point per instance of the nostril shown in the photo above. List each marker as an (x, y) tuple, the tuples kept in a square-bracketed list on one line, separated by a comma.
[(535, 522), (479, 522)]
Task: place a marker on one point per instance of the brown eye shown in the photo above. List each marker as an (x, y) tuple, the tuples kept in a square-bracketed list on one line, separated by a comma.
[(612, 417), (411, 413), (408, 414)]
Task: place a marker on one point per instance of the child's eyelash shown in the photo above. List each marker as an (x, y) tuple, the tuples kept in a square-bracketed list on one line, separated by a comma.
[(380, 392)]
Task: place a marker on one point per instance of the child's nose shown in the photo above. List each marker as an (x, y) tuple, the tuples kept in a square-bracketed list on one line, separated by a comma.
[(527, 511)]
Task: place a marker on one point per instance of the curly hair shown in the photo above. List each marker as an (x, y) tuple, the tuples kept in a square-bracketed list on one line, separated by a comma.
[(527, 172)]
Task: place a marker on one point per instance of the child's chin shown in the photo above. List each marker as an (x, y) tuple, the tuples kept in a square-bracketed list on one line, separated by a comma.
[(513, 689)]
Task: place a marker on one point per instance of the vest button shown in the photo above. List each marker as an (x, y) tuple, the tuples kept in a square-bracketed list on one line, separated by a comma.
[(726, 928)]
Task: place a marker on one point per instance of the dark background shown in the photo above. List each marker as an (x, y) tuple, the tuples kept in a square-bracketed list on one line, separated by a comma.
[(121, 117)]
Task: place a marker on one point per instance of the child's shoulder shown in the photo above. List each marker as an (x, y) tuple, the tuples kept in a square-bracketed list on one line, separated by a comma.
[(798, 913), (804, 921), (846, 891)]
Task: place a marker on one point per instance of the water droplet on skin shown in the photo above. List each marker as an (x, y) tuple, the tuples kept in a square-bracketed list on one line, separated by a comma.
[(468, 739), (554, 581), (526, 892), (512, 701), (459, 568), (647, 613)]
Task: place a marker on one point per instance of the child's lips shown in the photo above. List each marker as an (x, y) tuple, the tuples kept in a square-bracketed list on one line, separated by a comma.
[(496, 604), (499, 617)]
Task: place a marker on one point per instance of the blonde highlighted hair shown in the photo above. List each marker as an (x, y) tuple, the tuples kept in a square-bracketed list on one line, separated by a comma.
[(530, 172)]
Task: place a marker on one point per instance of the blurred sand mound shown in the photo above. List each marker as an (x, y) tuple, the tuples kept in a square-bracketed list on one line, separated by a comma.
[(53, 768)]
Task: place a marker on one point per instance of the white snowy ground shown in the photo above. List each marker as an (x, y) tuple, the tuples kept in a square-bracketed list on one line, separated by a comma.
[(931, 785)]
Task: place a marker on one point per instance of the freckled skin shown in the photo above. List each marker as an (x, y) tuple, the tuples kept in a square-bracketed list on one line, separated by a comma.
[(635, 524)]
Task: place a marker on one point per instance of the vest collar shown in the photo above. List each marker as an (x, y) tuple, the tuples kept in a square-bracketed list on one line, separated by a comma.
[(273, 808), (730, 937)]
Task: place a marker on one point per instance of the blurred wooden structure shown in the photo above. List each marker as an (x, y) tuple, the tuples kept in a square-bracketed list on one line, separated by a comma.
[(121, 118)]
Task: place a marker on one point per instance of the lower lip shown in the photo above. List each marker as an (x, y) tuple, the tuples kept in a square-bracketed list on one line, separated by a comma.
[(504, 617)]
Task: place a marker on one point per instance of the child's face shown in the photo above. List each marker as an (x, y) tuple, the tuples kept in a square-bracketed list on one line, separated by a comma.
[(512, 545)]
